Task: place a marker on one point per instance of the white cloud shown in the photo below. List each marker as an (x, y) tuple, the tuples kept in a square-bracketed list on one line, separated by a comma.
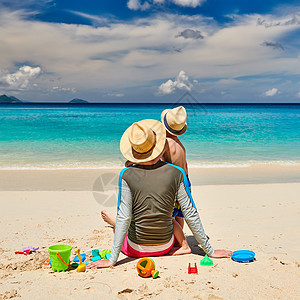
[(63, 89), (21, 78), (96, 20), (137, 5), (290, 20), (181, 82), (228, 81), (298, 95), (188, 3), (144, 5), (272, 92), (115, 95)]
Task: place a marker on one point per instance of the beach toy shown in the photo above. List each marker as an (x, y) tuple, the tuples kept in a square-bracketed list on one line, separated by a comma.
[(60, 257), (83, 257), (74, 265), (243, 256), (96, 255), (206, 261), (24, 252), (103, 252), (146, 268), (107, 255), (81, 267), (90, 252), (192, 270), (33, 249)]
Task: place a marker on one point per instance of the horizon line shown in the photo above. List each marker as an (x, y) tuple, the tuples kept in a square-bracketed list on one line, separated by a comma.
[(145, 103)]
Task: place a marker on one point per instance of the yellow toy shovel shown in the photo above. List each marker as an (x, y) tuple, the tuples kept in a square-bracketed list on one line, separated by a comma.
[(81, 267)]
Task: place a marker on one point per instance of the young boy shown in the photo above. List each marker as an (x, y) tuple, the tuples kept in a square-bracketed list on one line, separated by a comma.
[(174, 121)]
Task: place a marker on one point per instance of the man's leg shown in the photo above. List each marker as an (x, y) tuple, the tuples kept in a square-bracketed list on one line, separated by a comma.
[(184, 247), (180, 221)]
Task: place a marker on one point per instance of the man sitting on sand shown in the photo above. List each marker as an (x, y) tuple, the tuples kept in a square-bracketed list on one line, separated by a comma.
[(144, 226)]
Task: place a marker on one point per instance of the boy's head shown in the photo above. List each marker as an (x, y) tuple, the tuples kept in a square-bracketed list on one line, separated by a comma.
[(174, 120)]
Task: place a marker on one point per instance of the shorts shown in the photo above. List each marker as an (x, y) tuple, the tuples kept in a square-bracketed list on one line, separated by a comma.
[(177, 213), (132, 249)]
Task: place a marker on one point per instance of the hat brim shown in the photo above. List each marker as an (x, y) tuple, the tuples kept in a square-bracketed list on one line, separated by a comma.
[(182, 131), (135, 157)]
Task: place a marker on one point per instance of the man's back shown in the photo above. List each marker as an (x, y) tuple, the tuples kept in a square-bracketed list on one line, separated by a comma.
[(175, 153)]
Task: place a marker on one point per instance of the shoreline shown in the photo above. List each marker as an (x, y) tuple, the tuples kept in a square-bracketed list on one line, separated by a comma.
[(107, 179)]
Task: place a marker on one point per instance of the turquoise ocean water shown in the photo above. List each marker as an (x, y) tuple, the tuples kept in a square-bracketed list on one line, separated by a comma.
[(87, 136)]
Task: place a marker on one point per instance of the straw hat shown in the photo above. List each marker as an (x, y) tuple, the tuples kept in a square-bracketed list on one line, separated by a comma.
[(174, 120), (143, 141)]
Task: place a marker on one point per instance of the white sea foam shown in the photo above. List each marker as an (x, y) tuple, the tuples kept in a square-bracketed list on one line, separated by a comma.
[(244, 164), (118, 165)]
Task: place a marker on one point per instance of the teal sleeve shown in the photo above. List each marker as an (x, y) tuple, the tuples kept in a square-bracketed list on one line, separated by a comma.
[(186, 183), (120, 186)]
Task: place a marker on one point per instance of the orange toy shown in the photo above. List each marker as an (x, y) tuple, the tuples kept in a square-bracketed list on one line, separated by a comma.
[(146, 268)]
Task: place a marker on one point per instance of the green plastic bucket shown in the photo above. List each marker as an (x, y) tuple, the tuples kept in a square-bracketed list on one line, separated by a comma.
[(60, 257)]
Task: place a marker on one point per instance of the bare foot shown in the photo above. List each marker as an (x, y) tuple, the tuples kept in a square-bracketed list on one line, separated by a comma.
[(180, 251), (108, 218)]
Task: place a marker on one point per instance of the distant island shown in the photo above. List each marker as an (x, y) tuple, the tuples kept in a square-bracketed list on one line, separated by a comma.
[(77, 101), (4, 99), (9, 99)]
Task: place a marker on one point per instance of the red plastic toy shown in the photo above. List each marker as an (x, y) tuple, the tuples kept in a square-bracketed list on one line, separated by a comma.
[(25, 252), (192, 270)]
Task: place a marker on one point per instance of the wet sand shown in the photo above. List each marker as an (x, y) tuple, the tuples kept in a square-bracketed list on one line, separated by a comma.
[(87, 179)]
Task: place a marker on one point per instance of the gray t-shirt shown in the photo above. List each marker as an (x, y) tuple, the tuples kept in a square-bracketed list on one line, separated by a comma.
[(146, 202)]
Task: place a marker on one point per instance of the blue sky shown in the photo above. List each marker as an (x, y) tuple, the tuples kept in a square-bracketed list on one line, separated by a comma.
[(150, 51)]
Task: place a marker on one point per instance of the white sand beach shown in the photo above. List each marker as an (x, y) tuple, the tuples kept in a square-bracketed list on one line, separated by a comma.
[(242, 208)]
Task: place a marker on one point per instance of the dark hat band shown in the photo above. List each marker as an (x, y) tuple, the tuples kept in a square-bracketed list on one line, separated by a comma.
[(169, 128)]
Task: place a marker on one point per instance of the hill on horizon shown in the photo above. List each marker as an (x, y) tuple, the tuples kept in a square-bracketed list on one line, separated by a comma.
[(7, 99), (76, 100)]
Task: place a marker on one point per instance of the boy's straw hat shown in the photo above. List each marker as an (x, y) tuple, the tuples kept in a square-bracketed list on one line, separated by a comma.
[(174, 120), (143, 141)]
